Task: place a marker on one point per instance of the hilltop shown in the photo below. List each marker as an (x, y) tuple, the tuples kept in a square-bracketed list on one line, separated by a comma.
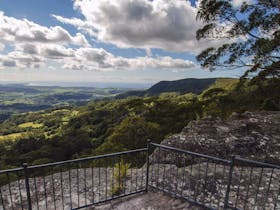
[(182, 86)]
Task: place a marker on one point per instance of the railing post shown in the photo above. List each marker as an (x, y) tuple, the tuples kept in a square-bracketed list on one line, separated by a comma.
[(229, 182), (26, 176), (148, 164)]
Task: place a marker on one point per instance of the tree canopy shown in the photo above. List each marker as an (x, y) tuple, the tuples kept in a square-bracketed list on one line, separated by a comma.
[(250, 33)]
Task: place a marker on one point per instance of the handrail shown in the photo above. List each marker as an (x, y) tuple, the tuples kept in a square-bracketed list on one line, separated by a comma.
[(11, 170), (228, 172), (192, 153), (263, 164), (87, 158)]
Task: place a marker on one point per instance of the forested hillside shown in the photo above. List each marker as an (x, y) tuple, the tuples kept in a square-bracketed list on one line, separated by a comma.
[(182, 86), (120, 124)]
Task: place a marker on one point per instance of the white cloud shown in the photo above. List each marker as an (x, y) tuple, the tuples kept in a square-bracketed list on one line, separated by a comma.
[(165, 24), (33, 46), (18, 59), (56, 51), (14, 31), (82, 25), (99, 59), (2, 46)]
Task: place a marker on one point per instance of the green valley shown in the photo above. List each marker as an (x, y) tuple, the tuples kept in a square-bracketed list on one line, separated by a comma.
[(20, 98), (111, 124)]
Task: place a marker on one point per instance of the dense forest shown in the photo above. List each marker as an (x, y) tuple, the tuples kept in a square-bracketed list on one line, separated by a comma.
[(111, 125)]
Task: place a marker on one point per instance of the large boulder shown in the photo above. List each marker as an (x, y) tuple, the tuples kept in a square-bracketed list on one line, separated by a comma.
[(250, 135)]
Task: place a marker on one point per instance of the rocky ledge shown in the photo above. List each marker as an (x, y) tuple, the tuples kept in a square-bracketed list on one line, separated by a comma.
[(250, 135)]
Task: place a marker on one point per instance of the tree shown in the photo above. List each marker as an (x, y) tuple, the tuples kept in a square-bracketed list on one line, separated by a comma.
[(250, 33)]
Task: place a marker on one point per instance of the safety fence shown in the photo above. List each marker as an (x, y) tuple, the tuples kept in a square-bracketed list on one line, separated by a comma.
[(203, 180), (212, 182)]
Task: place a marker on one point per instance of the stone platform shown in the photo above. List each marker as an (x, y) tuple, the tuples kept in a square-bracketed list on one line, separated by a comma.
[(147, 201)]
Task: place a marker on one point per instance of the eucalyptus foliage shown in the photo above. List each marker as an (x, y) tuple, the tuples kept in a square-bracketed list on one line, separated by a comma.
[(250, 34)]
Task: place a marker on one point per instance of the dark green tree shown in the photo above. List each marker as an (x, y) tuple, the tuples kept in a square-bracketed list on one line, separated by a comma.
[(250, 33)]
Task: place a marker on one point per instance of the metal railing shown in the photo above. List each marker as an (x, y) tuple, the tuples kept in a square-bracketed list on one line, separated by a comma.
[(214, 183), (74, 184), (204, 180)]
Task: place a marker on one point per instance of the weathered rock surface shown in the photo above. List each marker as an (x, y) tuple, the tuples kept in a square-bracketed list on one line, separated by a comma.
[(251, 188), (203, 182), (149, 201), (251, 135)]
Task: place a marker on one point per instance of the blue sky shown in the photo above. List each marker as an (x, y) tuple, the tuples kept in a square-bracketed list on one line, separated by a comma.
[(129, 41)]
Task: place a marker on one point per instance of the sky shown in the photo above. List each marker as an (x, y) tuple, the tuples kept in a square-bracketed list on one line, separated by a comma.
[(124, 41)]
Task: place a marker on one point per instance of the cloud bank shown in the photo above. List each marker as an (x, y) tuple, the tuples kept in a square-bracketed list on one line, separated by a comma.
[(34, 45), (144, 24), (165, 24)]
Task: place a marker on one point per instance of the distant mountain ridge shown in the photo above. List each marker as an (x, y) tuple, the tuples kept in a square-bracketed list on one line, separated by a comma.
[(182, 86)]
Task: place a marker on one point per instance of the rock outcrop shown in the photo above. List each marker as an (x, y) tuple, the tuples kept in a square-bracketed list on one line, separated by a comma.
[(250, 135)]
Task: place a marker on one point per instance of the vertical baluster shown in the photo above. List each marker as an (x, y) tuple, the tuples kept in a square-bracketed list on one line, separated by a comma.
[(106, 179), (136, 174), (70, 187), (2, 200), (224, 171), (164, 170), (176, 158), (45, 192), (61, 188), (229, 182), (124, 178), (113, 177), (142, 171), (36, 191), (198, 181), (92, 184), (258, 188), (19, 189), (248, 188), (184, 175), (85, 182), (277, 197), (170, 176), (191, 175), (213, 184), (148, 164), (99, 183), (157, 173), (205, 180), (238, 188), (78, 185), (152, 170), (131, 175), (268, 188), (53, 188), (10, 192)]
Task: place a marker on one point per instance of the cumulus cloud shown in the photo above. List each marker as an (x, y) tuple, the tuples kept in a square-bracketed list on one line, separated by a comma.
[(8, 63), (99, 59), (56, 51), (14, 30), (2, 46), (82, 25), (33, 45), (165, 24), (18, 59)]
